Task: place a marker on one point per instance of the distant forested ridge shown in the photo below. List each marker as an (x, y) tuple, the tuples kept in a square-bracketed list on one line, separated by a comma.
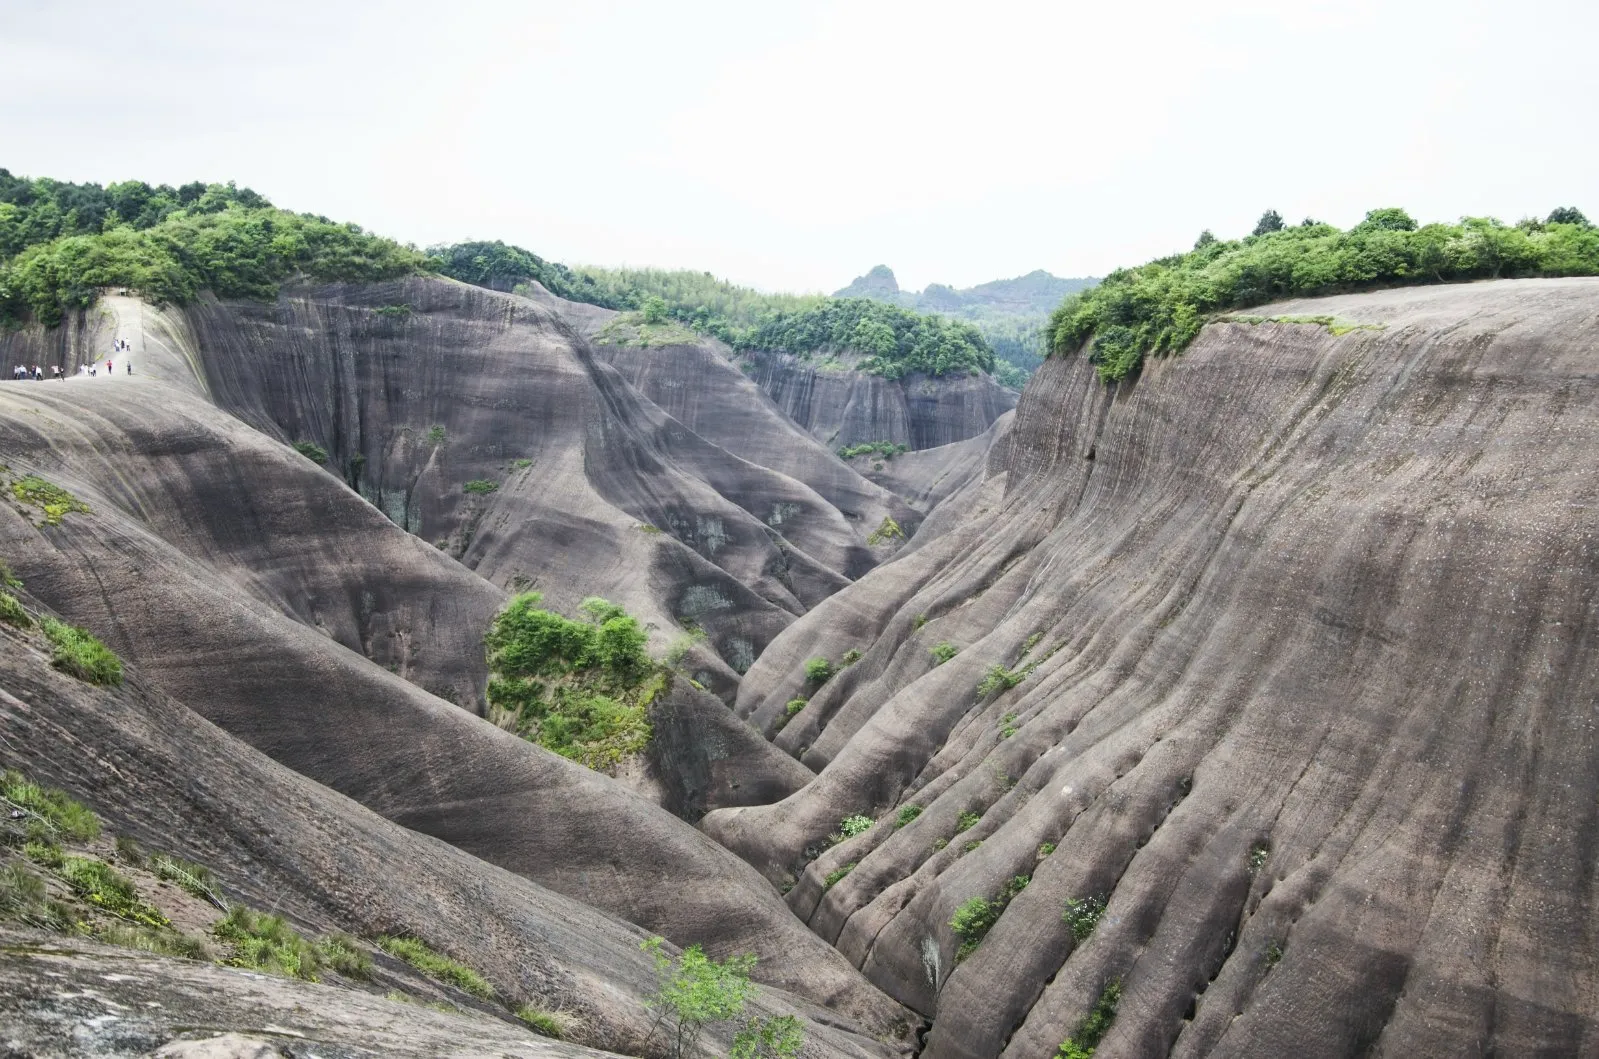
[(892, 341), (1010, 314), (60, 243), (1158, 308)]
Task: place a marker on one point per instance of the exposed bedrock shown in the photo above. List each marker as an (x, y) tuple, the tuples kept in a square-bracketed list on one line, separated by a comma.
[(240, 579), (158, 773), (1301, 636)]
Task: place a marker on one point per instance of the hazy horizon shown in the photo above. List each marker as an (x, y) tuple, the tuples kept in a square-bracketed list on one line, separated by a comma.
[(796, 148)]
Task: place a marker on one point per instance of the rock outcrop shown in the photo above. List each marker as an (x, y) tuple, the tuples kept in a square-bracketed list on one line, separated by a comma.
[(1285, 652)]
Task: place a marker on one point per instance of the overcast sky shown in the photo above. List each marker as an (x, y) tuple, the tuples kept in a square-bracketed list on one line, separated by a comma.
[(794, 145)]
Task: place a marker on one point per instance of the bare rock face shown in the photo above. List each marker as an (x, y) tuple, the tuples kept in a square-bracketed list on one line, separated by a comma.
[(227, 568), (1287, 653)]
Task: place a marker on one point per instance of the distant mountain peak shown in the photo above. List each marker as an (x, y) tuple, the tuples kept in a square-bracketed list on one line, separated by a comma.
[(879, 282)]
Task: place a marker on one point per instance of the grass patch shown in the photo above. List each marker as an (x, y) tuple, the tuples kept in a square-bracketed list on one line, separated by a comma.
[(557, 1025), (55, 502), (11, 612), (47, 814), (1086, 1037), (109, 890), (481, 486), (78, 653), (436, 966), (835, 876), (312, 451), (192, 878), (342, 953), (23, 897), (1337, 325), (159, 942), (521, 464), (267, 943), (1045, 849), (403, 310)]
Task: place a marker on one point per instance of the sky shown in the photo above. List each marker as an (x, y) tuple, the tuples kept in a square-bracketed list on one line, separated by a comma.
[(791, 146)]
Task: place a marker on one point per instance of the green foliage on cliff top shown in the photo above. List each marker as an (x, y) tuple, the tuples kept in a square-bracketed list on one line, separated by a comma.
[(1159, 307), (60, 243), (502, 267), (580, 688)]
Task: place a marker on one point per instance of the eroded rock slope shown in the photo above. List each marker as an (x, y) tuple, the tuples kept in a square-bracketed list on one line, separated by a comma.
[(1296, 672)]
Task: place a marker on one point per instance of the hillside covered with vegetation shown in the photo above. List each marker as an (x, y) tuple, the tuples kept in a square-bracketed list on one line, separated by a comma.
[(894, 341), (1158, 308), (60, 243)]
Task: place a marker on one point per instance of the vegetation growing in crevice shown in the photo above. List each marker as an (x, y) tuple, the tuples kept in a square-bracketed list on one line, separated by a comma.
[(906, 814), (976, 916), (967, 820), (1159, 307), (883, 449), (436, 965), (480, 486), (312, 451), (943, 651), (1091, 1031), (267, 943), (1082, 915), (818, 670), (887, 531), (833, 877), (580, 688), (79, 654)]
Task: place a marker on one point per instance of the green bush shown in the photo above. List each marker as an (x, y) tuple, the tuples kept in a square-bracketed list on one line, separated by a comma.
[(311, 451), (80, 654), (858, 824), (998, 679), (1091, 1031), (795, 706), (267, 943), (885, 449), (1159, 307), (977, 915), (966, 821), (1082, 915), (696, 991), (888, 530), (436, 435), (581, 689), (345, 955), (851, 656), (818, 670), (546, 1023), (12, 613), (943, 651), (441, 968), (481, 486), (834, 876), (907, 813)]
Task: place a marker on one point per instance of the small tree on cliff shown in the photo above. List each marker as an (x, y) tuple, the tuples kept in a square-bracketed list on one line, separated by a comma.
[(696, 991), (1270, 221)]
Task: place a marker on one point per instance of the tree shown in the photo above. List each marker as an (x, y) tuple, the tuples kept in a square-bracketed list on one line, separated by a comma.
[(1567, 215), (696, 991), (654, 309), (1391, 219), (1206, 237), (1270, 221)]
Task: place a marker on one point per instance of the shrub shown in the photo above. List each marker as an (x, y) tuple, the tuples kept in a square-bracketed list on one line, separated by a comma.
[(436, 966), (887, 530), (521, 464), (977, 915), (1082, 915), (851, 656), (907, 813), (581, 689), (696, 991), (267, 943), (920, 620), (834, 876), (851, 826), (998, 679), (1045, 849), (109, 890), (54, 501), (966, 821), (436, 435), (818, 670), (1085, 1039), (481, 486), (80, 654), (48, 814), (943, 651), (11, 612), (311, 451), (795, 706), (886, 449)]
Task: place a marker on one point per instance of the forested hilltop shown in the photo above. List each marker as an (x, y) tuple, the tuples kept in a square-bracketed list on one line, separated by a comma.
[(1010, 314), (60, 243), (1158, 308), (894, 341)]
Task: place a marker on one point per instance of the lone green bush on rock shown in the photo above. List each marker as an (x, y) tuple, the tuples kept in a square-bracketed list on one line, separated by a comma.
[(80, 654)]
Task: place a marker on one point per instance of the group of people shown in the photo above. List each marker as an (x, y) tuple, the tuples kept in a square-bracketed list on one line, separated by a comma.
[(121, 345)]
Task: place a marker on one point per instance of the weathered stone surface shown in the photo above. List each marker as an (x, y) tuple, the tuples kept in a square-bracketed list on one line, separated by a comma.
[(1313, 710)]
